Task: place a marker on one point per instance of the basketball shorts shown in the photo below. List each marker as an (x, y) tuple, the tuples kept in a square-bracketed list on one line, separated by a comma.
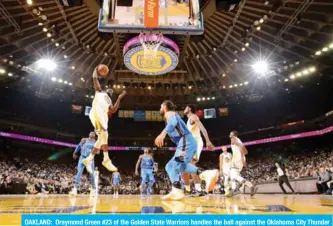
[(99, 119), (200, 143), (235, 172), (116, 183), (147, 176)]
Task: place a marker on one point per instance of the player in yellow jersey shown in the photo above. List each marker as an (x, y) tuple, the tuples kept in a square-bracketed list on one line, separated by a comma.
[(196, 127), (225, 165), (101, 106), (237, 163)]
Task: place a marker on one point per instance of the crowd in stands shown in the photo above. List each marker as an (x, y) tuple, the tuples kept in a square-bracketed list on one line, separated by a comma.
[(40, 176)]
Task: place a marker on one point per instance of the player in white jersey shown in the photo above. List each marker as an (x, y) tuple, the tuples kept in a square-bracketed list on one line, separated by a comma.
[(225, 166), (238, 162), (101, 106), (195, 126)]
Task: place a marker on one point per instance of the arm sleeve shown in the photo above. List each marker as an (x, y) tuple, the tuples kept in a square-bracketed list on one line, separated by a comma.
[(78, 148), (172, 123)]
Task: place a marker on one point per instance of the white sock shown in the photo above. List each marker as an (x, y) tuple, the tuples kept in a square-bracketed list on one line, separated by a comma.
[(91, 157), (106, 156), (188, 188), (233, 185), (249, 184), (198, 187)]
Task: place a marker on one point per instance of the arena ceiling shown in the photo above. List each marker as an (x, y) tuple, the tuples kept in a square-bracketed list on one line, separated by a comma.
[(286, 33)]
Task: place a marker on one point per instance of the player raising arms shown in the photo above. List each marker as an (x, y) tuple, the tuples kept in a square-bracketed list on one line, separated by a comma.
[(101, 105), (186, 149), (238, 162), (195, 126), (147, 165)]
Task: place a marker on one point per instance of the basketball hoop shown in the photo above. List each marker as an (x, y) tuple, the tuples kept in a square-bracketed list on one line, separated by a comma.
[(150, 44)]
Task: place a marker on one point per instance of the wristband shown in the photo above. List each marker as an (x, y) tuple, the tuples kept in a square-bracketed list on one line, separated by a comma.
[(95, 74)]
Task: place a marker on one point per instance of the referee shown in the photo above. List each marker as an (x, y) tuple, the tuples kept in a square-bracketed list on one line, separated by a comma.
[(283, 179)]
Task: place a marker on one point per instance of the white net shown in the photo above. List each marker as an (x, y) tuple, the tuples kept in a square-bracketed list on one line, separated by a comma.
[(150, 44)]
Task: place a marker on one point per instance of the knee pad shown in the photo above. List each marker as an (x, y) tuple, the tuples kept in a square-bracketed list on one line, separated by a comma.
[(102, 139)]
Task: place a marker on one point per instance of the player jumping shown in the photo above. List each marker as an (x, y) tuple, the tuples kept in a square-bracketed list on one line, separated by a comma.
[(147, 165), (99, 118), (186, 149), (195, 126)]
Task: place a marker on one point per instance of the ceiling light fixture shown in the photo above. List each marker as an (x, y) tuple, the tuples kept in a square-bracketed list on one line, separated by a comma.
[(261, 67), (305, 72), (46, 64), (312, 69)]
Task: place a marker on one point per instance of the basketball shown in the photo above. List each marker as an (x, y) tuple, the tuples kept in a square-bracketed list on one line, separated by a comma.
[(103, 70)]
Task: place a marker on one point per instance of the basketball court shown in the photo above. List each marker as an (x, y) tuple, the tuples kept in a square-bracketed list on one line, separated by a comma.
[(12, 207)]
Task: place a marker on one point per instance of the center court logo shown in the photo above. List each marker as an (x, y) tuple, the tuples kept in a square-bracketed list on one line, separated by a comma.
[(165, 61)]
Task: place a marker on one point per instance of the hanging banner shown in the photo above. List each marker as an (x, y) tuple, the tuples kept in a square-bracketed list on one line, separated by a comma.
[(151, 13)]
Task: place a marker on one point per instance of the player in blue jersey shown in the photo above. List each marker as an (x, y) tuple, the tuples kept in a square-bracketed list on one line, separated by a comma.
[(147, 165), (185, 151), (84, 148), (115, 183)]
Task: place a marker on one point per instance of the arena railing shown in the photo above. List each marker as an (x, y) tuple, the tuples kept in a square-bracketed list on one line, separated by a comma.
[(123, 148)]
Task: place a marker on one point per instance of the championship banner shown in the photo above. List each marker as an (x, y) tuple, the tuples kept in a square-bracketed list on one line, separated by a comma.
[(151, 13), (223, 111), (159, 117), (120, 114), (139, 115), (148, 115), (154, 116), (77, 109), (200, 114), (131, 114), (87, 110), (126, 114)]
